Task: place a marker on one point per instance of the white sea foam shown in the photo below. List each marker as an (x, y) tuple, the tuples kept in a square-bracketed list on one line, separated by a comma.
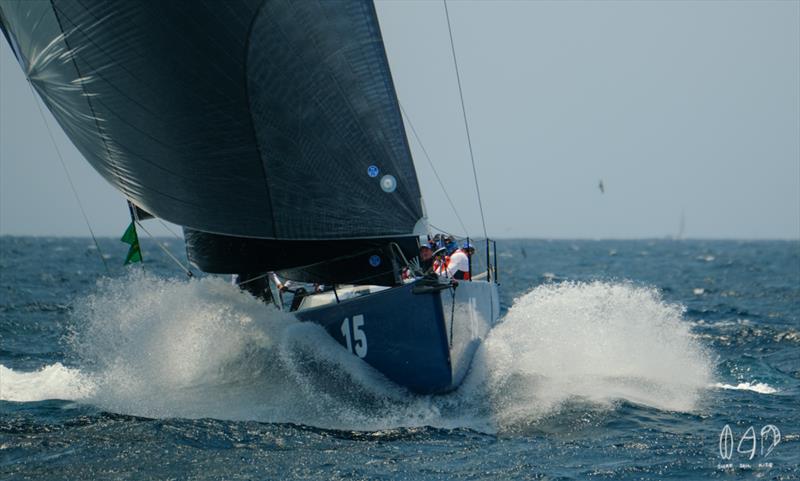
[(51, 382), (759, 387), (597, 342), (160, 348)]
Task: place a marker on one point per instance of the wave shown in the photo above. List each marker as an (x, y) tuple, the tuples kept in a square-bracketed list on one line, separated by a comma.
[(166, 348), (759, 387), (50, 382), (596, 342)]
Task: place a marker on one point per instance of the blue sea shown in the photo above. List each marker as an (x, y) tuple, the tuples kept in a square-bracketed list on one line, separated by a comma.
[(645, 359)]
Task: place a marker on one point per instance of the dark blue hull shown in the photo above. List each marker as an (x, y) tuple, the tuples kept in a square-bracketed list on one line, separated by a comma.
[(423, 341)]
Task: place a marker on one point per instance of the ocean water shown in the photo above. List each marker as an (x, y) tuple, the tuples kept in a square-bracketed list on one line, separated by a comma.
[(613, 360)]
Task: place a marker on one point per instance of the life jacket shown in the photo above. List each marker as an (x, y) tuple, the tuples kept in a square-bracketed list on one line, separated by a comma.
[(440, 266)]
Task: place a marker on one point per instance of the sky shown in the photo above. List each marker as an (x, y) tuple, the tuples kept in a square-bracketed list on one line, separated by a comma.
[(684, 110)]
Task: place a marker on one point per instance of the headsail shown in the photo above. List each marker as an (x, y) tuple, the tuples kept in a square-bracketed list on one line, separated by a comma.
[(247, 119)]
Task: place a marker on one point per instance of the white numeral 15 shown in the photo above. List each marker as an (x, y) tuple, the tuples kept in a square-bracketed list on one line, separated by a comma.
[(359, 338)]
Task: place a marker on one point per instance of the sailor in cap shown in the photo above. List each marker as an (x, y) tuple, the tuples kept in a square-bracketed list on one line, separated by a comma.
[(458, 266)]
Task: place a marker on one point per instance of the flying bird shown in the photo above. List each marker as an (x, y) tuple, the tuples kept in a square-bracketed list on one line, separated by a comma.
[(601, 187)]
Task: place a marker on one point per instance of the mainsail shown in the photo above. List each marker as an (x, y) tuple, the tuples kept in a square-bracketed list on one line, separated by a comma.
[(255, 124)]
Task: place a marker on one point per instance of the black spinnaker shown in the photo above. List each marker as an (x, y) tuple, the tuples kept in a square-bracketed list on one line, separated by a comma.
[(260, 126)]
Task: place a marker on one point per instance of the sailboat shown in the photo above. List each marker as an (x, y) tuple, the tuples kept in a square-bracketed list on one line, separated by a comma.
[(271, 132)]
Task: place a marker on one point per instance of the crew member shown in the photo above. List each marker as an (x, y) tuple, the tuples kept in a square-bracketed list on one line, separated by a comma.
[(437, 242), (425, 258), (458, 266), (440, 261), (297, 289), (450, 244)]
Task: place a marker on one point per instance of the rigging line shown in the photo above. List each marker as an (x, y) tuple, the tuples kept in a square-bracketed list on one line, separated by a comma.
[(185, 269), (443, 231), (254, 278), (69, 178), (424, 151), (466, 124), (164, 225)]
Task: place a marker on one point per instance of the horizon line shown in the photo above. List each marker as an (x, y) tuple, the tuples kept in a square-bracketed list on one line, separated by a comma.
[(498, 238)]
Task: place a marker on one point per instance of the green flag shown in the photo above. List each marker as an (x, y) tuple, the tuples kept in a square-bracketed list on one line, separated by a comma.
[(130, 237)]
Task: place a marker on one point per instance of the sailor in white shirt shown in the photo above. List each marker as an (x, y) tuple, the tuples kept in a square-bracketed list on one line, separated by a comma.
[(458, 266)]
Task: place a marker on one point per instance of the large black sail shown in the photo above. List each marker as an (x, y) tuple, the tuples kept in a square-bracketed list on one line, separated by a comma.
[(274, 120)]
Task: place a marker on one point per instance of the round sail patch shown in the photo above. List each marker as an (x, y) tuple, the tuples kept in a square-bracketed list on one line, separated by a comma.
[(388, 183)]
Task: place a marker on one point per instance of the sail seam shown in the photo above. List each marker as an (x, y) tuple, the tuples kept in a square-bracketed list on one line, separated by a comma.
[(250, 115), (394, 99), (374, 148), (112, 161)]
